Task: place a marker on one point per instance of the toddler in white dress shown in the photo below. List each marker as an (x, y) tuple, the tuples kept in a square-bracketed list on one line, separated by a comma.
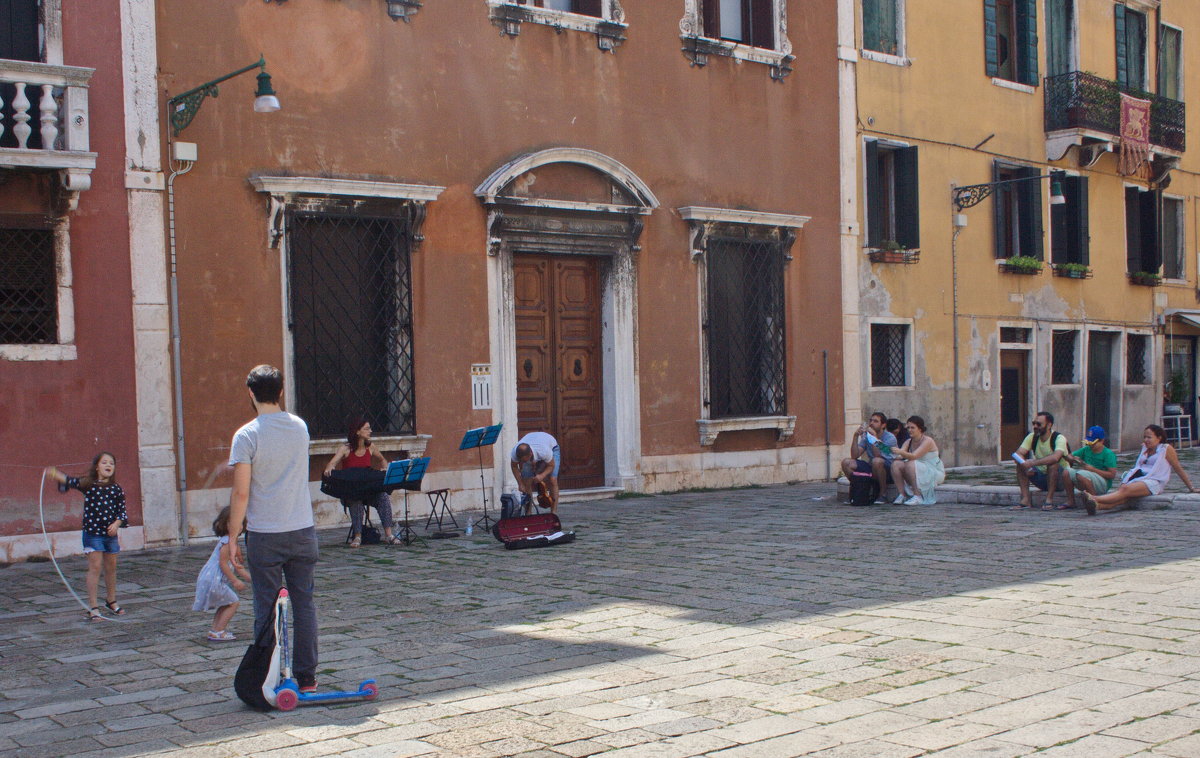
[(218, 584)]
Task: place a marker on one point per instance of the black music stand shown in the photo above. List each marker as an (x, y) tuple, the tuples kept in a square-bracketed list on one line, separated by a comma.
[(407, 474), (480, 438)]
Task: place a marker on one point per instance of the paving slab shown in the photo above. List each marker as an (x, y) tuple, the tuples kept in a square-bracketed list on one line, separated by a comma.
[(756, 622)]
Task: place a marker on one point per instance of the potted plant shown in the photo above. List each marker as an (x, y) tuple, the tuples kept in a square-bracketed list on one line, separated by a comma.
[(1022, 264), (1072, 270), (1145, 278), (891, 251)]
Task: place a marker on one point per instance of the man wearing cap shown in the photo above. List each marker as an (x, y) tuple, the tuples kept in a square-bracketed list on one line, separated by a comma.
[(1093, 466)]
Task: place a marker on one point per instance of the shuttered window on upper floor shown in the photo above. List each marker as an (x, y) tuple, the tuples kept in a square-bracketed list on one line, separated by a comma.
[(1142, 251), (1170, 62), (1017, 211), (582, 7), (1010, 40), (1131, 47), (893, 197), (1069, 238), (749, 22), (881, 30)]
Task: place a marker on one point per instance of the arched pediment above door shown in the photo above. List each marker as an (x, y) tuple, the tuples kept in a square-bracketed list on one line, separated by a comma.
[(569, 179)]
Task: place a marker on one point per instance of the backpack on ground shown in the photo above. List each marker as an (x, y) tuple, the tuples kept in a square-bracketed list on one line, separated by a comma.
[(863, 489)]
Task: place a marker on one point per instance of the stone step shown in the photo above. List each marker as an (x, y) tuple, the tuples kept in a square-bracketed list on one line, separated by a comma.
[(991, 494)]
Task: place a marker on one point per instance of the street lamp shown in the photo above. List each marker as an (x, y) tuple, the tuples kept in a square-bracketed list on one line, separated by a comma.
[(968, 197), (184, 106)]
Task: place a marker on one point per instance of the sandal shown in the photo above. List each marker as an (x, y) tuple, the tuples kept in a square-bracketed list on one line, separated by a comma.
[(1064, 507), (394, 540), (1020, 507), (93, 614), (356, 542), (221, 636), (1049, 507), (115, 609)]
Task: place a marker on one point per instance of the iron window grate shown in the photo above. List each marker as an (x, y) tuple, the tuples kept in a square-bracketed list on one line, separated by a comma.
[(351, 318), (1062, 358), (1135, 360), (1014, 335), (745, 327), (28, 287), (889, 345)]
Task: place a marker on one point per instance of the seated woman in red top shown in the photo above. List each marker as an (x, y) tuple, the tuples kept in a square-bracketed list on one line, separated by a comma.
[(359, 452)]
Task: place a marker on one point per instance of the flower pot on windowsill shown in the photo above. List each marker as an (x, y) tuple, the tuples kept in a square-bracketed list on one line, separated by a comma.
[(1021, 264), (893, 255), (1072, 271), (1144, 278)]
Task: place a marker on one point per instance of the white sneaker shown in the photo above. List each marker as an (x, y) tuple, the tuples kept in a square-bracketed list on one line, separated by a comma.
[(899, 499), (914, 500)]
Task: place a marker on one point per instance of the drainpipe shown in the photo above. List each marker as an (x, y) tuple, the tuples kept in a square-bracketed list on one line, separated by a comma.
[(176, 368), (825, 410), (959, 220)]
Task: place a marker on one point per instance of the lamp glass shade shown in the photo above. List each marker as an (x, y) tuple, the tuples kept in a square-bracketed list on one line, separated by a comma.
[(270, 104), (1056, 195), (265, 100)]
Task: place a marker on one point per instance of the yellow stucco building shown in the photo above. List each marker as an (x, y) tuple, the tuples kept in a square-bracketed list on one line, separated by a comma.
[(1060, 278)]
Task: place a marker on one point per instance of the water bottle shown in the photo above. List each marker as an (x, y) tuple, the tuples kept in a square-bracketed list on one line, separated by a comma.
[(470, 526)]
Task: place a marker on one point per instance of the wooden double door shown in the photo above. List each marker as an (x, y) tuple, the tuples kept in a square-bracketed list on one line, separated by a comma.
[(556, 304)]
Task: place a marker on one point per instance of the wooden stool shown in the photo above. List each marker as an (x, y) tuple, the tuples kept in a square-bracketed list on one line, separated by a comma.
[(438, 500)]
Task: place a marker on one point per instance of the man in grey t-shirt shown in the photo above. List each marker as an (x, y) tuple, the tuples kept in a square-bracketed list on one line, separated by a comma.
[(269, 457)]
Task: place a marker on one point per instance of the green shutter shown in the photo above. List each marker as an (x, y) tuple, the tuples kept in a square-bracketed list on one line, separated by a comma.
[(871, 30), (1122, 47), (1083, 238), (1133, 233), (999, 196), (908, 199), (875, 190), (991, 52), (1030, 204), (1027, 42), (1151, 231)]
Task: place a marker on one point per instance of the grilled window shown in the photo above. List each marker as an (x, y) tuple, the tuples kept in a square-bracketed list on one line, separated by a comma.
[(351, 318), (1062, 358), (744, 328), (889, 355), (28, 287), (1136, 364), (1014, 335)]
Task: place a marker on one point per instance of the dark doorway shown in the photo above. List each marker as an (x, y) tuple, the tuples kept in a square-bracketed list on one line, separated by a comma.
[(1014, 400), (556, 304), (1101, 348)]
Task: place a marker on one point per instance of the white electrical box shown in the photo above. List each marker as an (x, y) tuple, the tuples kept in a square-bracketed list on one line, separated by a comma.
[(183, 151), (481, 386)]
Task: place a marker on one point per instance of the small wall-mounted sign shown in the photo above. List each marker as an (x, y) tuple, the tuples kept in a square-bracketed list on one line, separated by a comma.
[(481, 386)]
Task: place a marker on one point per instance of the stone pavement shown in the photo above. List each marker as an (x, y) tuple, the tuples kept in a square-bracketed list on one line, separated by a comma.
[(758, 622)]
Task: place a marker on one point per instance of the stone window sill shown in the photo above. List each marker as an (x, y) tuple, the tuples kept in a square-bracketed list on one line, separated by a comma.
[(697, 50), (412, 444), (509, 17), (37, 352), (710, 428)]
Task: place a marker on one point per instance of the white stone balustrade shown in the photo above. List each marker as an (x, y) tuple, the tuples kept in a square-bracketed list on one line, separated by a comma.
[(53, 99)]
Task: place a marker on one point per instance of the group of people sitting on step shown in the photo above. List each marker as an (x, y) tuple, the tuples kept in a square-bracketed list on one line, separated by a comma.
[(900, 454), (1045, 461)]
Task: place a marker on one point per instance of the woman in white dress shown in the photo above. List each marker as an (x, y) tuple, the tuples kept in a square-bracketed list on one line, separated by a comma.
[(1147, 477), (918, 467)]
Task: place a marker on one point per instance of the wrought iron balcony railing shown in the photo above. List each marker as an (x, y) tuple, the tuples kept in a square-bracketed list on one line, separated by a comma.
[(1079, 100)]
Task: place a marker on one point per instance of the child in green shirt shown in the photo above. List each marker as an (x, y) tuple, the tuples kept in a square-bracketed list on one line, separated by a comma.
[(1093, 466)]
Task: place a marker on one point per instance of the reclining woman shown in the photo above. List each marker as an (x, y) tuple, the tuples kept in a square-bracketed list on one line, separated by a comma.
[(918, 467), (1147, 477), (360, 452)]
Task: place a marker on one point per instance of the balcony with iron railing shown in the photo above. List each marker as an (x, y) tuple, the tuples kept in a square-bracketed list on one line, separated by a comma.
[(1082, 107), (44, 120)]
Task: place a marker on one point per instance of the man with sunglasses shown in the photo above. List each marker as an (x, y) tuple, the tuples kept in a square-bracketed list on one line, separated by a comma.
[(1041, 461)]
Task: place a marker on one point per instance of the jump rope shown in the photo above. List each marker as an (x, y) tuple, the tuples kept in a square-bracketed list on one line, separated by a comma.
[(50, 550)]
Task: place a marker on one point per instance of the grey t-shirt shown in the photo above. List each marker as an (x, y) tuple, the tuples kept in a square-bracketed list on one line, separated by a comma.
[(276, 447)]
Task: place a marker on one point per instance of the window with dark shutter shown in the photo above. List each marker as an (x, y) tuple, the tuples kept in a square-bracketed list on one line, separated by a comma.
[(1131, 48), (19, 30), (880, 27), (1010, 40), (350, 298), (750, 22), (1142, 251), (893, 196), (1017, 212), (1172, 239), (1069, 238), (1170, 56)]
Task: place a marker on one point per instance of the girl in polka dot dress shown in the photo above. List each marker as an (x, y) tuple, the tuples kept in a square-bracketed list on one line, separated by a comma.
[(103, 514)]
